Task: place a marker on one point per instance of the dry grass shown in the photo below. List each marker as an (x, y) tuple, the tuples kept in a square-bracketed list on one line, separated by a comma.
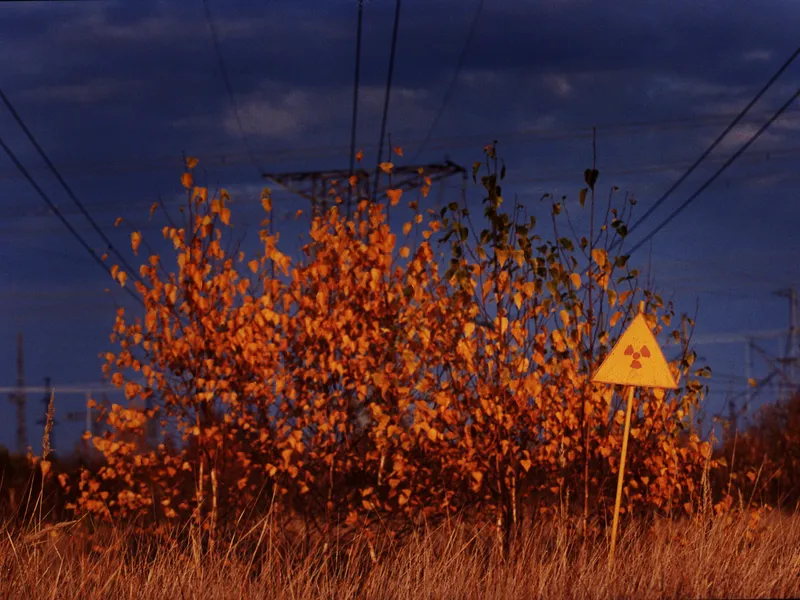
[(672, 560)]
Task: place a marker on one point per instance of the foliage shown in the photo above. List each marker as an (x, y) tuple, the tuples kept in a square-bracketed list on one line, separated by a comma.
[(367, 386)]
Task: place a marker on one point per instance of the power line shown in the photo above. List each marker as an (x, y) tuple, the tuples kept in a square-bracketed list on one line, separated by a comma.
[(444, 142), (554, 176), (386, 98), (356, 79), (453, 81), (66, 223), (109, 245), (727, 163), (229, 87), (714, 144)]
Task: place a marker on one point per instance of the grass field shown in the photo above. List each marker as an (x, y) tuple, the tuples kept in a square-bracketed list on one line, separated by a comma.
[(738, 558)]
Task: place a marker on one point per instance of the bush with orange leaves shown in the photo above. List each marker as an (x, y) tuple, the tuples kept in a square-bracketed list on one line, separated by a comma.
[(369, 387)]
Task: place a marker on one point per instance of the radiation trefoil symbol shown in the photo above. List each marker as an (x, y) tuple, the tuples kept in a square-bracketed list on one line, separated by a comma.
[(643, 353)]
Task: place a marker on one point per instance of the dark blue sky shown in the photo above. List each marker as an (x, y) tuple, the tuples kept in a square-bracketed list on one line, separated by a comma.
[(115, 91)]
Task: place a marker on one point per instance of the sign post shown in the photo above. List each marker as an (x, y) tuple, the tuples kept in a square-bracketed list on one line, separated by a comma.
[(635, 361)]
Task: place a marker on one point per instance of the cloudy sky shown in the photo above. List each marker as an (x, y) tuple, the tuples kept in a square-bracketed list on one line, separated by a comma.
[(115, 91)]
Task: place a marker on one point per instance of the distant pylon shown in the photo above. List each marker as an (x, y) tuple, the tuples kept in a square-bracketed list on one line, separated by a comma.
[(18, 398), (790, 355)]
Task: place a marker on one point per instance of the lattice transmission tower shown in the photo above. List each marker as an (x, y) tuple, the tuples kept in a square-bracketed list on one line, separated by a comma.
[(315, 186)]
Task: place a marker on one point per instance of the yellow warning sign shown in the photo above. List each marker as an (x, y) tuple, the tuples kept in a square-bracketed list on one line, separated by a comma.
[(636, 360)]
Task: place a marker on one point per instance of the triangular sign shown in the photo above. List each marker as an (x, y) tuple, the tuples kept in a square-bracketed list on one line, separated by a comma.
[(636, 360)]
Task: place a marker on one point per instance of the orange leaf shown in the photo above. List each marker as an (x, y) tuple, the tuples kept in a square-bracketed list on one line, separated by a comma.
[(398, 150), (191, 162), (186, 180), (406, 228), (576, 280), (600, 256), (359, 155), (225, 216), (153, 209), (266, 202), (253, 264), (122, 277), (386, 167), (353, 180), (394, 196), (118, 221), (136, 239)]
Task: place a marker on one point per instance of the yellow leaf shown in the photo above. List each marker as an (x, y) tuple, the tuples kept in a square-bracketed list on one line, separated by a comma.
[(191, 162), (576, 280), (614, 319), (600, 256), (406, 228), (404, 252), (612, 297), (136, 239), (526, 464), (469, 327), (394, 196), (518, 300), (503, 325), (186, 180), (564, 317), (386, 167), (122, 277), (477, 476), (253, 264)]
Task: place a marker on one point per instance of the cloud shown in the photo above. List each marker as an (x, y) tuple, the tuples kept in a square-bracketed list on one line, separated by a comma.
[(281, 114), (558, 85), (757, 55), (690, 88), (87, 92), (740, 134)]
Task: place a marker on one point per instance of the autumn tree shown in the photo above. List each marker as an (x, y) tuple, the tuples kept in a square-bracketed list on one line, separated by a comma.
[(385, 376)]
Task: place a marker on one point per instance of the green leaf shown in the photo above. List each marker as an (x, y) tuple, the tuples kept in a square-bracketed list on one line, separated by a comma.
[(567, 244), (590, 176)]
